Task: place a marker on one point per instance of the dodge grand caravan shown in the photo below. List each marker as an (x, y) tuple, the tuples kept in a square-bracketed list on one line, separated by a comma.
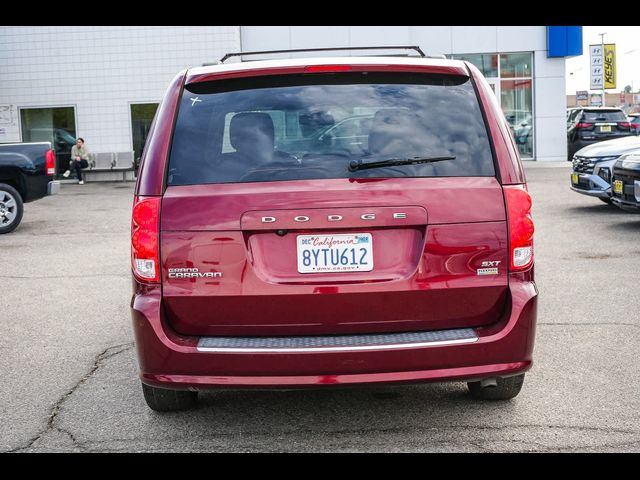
[(264, 259)]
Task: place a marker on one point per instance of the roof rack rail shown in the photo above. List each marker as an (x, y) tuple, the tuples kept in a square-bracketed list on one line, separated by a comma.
[(400, 47)]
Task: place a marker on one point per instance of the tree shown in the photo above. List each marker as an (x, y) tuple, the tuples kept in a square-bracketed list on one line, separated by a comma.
[(627, 89)]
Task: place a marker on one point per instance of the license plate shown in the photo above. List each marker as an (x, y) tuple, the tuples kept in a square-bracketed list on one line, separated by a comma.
[(605, 128), (574, 178), (618, 187), (335, 253)]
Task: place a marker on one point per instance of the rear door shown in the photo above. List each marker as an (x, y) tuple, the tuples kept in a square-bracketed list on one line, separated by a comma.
[(266, 229)]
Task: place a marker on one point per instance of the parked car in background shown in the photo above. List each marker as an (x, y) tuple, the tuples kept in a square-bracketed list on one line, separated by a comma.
[(593, 165), (256, 268), (634, 121), (26, 174), (62, 141), (626, 183), (590, 125)]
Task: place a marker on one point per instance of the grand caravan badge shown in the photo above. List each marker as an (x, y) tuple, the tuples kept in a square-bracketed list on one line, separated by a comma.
[(192, 273)]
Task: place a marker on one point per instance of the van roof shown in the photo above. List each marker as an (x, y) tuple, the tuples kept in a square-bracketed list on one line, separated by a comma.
[(297, 65)]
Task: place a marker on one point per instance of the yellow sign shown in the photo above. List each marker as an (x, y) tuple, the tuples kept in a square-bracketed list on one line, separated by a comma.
[(610, 65)]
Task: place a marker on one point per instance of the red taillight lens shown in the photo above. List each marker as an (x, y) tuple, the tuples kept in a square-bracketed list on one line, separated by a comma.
[(635, 125), (624, 124), (584, 125), (145, 226), (520, 227), (328, 68), (50, 159)]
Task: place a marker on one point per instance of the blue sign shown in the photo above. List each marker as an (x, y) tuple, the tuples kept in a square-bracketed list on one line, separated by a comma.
[(564, 41)]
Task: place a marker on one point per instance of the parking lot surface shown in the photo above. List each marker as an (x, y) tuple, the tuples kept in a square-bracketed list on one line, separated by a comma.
[(70, 368)]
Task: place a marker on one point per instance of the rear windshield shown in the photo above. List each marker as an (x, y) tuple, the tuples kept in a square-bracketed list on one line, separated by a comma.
[(313, 126), (604, 116)]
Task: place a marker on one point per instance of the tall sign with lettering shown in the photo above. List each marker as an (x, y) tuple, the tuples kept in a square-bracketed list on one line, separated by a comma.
[(610, 65), (603, 66)]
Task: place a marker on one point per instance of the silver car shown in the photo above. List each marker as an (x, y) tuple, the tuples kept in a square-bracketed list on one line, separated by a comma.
[(593, 164)]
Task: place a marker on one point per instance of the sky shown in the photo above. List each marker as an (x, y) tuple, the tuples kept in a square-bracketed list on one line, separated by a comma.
[(627, 40)]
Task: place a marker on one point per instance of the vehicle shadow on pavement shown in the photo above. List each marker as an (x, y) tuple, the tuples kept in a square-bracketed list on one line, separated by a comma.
[(598, 209), (633, 225)]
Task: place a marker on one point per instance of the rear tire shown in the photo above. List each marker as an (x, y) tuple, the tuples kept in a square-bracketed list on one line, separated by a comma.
[(11, 208), (506, 389), (165, 400)]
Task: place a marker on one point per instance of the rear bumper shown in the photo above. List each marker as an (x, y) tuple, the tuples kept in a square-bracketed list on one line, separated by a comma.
[(170, 360)]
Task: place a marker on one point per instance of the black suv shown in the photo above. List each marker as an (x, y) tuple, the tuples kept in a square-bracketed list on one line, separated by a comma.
[(589, 125), (625, 186)]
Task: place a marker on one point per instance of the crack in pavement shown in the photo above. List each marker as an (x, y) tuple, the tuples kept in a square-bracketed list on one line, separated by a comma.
[(98, 362)]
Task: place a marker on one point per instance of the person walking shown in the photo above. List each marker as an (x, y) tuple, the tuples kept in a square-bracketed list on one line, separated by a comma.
[(79, 160)]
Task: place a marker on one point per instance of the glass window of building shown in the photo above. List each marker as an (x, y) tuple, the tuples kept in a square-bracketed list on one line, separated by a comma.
[(515, 65), (487, 63), (511, 78), (516, 99), (141, 117), (56, 125)]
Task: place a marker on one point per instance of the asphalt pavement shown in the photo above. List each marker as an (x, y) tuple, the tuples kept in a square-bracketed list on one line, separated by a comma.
[(70, 379)]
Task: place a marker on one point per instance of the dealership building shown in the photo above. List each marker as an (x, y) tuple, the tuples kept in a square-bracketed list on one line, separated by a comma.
[(104, 83)]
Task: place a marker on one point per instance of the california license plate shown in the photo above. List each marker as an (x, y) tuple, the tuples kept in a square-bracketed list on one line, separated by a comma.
[(335, 253), (618, 187), (574, 178), (605, 128)]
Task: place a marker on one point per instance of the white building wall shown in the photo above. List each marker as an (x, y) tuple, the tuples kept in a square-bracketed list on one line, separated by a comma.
[(100, 70), (549, 83)]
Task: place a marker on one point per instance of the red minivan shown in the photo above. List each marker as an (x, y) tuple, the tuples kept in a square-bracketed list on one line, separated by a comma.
[(331, 222)]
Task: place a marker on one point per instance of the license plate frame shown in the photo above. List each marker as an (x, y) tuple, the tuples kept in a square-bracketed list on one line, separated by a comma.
[(605, 128), (334, 253), (575, 178), (618, 187)]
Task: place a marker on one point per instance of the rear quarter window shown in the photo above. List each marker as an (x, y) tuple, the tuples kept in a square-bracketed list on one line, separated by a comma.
[(312, 126)]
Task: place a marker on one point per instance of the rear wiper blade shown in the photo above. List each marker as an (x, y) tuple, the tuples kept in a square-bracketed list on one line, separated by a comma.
[(392, 162)]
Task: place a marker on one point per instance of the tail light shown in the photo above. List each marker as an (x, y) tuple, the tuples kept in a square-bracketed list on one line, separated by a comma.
[(624, 124), (145, 223), (582, 126), (520, 227), (50, 159), (635, 125)]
